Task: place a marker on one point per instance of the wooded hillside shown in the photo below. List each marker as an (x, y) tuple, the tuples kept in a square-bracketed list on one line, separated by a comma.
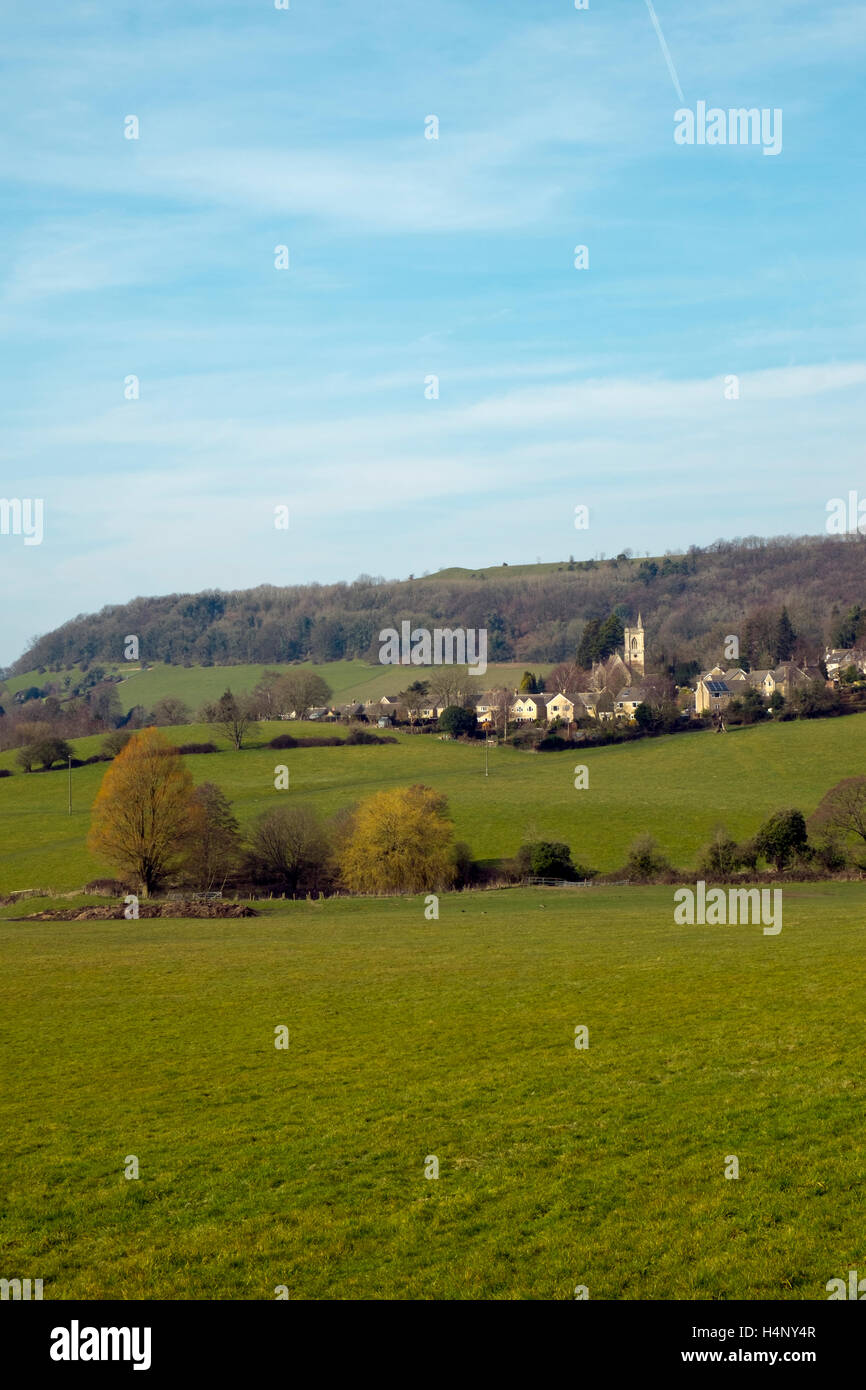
[(534, 613)]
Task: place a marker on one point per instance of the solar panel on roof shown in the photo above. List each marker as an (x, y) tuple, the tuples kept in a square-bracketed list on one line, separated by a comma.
[(717, 688)]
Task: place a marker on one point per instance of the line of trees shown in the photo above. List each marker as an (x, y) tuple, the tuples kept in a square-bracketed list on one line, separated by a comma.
[(47, 716), (832, 840), (155, 827)]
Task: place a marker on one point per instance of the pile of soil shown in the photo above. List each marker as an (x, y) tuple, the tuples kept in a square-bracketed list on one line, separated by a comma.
[(145, 909)]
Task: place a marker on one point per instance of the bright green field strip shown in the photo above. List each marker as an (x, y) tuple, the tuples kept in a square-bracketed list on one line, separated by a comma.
[(529, 571), (348, 680), (453, 1038), (678, 787)]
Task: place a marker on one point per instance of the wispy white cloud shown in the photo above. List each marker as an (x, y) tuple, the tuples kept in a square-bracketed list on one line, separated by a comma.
[(412, 257)]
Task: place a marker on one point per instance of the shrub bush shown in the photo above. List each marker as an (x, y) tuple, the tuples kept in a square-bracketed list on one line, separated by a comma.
[(782, 837), (115, 742), (646, 860), (526, 737), (464, 864), (553, 743), (550, 859), (283, 741), (718, 859), (458, 722), (197, 748)]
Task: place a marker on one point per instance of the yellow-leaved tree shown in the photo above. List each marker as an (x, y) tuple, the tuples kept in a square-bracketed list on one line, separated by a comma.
[(144, 813), (398, 841)]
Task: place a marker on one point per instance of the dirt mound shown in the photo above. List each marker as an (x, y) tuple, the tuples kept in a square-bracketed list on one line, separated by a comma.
[(112, 913)]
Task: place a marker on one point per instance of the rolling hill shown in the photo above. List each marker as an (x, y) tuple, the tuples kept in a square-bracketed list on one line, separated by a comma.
[(532, 613)]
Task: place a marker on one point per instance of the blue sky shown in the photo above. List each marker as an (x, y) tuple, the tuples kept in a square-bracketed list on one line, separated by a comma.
[(411, 257)]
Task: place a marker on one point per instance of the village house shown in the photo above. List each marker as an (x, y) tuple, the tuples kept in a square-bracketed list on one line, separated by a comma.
[(527, 708), (593, 704), (318, 713), (838, 659), (715, 689), (485, 710), (814, 673), (627, 701), (712, 693), (560, 707), (764, 681), (789, 677), (598, 704), (384, 708)]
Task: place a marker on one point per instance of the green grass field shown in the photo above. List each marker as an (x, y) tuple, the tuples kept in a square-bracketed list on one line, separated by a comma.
[(348, 680), (677, 787), (455, 1038)]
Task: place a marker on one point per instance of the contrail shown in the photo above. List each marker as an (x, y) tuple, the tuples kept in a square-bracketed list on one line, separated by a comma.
[(665, 50)]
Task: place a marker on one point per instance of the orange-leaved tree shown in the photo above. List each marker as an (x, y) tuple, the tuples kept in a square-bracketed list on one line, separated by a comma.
[(144, 813), (398, 841)]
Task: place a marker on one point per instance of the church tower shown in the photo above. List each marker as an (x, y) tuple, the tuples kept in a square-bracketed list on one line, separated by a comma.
[(634, 647)]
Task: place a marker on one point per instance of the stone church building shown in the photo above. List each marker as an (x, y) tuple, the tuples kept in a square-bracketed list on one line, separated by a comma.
[(626, 667)]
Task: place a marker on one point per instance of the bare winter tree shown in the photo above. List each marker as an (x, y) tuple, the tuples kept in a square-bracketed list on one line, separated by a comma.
[(289, 692), (215, 845), (501, 699), (843, 808), (232, 716), (414, 697), (568, 679), (170, 710), (452, 685), (289, 846)]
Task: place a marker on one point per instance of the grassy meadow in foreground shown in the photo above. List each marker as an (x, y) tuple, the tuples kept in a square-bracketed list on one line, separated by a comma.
[(455, 1038), (678, 787)]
